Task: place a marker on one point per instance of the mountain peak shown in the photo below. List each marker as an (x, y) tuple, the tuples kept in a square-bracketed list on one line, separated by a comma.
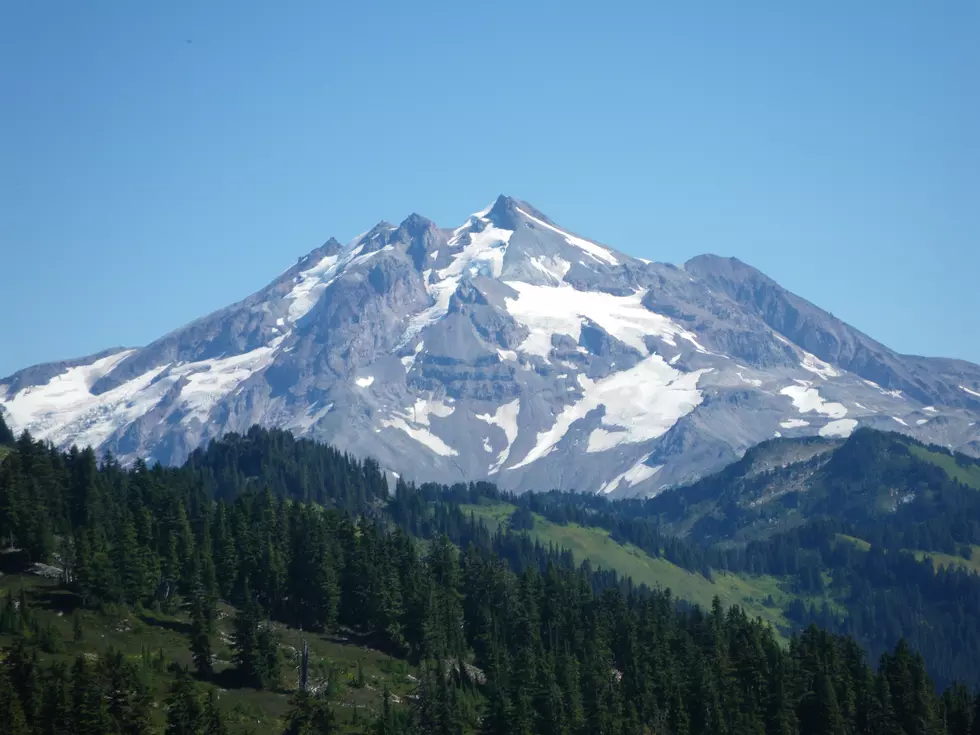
[(415, 222), (508, 212)]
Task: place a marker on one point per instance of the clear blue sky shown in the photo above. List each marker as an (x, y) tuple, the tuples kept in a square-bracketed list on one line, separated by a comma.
[(145, 180)]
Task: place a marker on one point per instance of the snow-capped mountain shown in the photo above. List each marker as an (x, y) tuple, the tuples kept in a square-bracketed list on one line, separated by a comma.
[(507, 348)]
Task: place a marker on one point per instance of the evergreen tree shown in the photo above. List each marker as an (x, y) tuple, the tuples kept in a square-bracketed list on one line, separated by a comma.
[(22, 663), (310, 716), (201, 628), (256, 648), (11, 711), (56, 713), (185, 715), (6, 435), (88, 702), (213, 723), (388, 722), (437, 710)]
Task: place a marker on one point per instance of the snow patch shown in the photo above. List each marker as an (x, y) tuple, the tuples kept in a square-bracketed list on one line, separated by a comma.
[(208, 381), (596, 252), (422, 410), (506, 418), (555, 268), (971, 392), (892, 393), (794, 423), (641, 403), (507, 355), (64, 409), (421, 435), (483, 212), (548, 310), (309, 285), (817, 366), (638, 473), (930, 409), (901, 421), (675, 358), (52, 411), (365, 381), (807, 400), (920, 422), (409, 360), (840, 428), (487, 447), (751, 381), (415, 421)]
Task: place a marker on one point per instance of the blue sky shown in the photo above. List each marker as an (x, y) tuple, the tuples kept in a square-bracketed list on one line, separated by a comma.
[(161, 160)]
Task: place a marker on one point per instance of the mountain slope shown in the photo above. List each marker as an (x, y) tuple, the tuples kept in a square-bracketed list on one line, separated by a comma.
[(506, 348), (870, 481)]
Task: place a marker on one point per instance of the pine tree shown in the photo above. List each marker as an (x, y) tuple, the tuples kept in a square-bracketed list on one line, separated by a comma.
[(225, 554), (11, 710), (22, 664), (269, 652), (129, 564), (7, 438), (127, 698), (56, 714), (437, 707), (248, 657), (310, 716), (780, 717), (88, 700), (77, 630), (821, 714), (387, 722), (257, 648), (201, 638), (213, 723), (185, 715)]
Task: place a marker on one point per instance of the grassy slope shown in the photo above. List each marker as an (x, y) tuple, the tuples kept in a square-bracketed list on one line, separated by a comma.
[(248, 710), (859, 543), (945, 560), (969, 476), (595, 545), (938, 559), (4, 451)]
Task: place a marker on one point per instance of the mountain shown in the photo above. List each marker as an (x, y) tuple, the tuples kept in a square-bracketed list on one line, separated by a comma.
[(873, 482), (507, 348)]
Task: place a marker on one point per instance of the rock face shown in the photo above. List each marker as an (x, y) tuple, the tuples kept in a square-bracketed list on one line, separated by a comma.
[(509, 349)]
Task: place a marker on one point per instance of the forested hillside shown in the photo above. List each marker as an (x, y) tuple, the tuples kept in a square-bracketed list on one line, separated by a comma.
[(456, 627), (877, 537)]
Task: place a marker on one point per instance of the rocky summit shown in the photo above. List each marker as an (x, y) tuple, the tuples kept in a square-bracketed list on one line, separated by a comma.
[(506, 349)]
